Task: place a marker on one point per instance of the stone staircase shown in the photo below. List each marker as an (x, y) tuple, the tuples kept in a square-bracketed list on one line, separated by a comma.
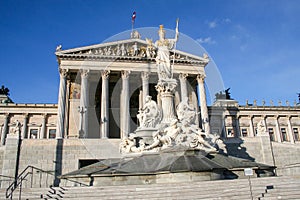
[(262, 188)]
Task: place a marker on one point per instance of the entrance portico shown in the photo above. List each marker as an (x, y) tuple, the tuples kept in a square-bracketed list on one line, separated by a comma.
[(109, 83)]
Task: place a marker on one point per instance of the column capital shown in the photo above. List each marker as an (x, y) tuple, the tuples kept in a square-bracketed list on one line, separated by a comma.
[(84, 73), (263, 116), (201, 77), (105, 74), (183, 76), (63, 73), (125, 74), (6, 115), (145, 75), (25, 115), (44, 115)]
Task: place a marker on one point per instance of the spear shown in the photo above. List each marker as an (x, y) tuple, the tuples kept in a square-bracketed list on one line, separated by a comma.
[(174, 49)]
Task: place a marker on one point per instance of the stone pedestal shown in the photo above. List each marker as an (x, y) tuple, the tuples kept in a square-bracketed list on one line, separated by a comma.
[(166, 89), (266, 148), (146, 134), (167, 101)]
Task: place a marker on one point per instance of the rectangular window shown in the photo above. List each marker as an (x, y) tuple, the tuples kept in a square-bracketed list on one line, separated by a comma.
[(230, 132), (296, 134), (271, 134), (52, 133), (284, 135), (244, 132), (34, 133)]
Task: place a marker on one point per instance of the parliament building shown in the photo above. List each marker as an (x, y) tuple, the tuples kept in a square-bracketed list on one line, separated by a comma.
[(102, 88)]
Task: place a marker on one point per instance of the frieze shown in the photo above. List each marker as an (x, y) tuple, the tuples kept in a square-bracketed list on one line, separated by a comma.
[(128, 49)]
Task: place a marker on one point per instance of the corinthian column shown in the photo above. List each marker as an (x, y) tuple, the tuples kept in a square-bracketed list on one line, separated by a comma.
[(5, 129), (125, 115), (145, 85), (104, 126), (61, 103), (66, 125), (183, 86), (84, 103), (203, 105)]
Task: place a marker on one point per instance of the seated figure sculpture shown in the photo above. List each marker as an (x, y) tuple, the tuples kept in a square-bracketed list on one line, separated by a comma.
[(149, 114), (185, 112), (165, 138), (17, 128), (261, 129), (197, 138)]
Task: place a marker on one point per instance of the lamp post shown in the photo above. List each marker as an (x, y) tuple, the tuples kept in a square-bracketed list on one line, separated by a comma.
[(81, 110), (19, 138)]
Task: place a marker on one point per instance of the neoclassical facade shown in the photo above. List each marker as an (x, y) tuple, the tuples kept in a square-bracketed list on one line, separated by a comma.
[(102, 90), (102, 87), (38, 120), (235, 121)]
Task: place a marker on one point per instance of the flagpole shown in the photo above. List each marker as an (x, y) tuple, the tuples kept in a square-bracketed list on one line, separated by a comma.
[(132, 22), (174, 49)]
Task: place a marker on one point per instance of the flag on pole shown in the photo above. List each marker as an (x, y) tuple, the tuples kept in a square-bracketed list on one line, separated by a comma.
[(133, 17)]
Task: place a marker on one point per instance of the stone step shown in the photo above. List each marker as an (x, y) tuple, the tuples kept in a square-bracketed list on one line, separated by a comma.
[(179, 195), (283, 190), (91, 193), (222, 189), (150, 191), (94, 192), (283, 197)]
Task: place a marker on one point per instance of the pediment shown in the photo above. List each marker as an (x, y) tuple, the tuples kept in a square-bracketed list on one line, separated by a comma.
[(132, 49)]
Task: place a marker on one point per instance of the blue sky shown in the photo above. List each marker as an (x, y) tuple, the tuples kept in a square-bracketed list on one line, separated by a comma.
[(255, 44)]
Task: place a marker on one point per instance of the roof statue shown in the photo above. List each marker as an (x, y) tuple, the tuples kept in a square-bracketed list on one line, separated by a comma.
[(135, 35), (223, 95), (4, 95), (59, 48), (4, 90)]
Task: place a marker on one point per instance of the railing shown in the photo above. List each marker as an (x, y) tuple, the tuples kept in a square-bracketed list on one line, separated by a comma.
[(33, 177), (4, 178)]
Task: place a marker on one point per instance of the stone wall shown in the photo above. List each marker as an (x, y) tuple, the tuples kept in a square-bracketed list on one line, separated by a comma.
[(1, 158), (57, 156), (287, 158), (257, 149)]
